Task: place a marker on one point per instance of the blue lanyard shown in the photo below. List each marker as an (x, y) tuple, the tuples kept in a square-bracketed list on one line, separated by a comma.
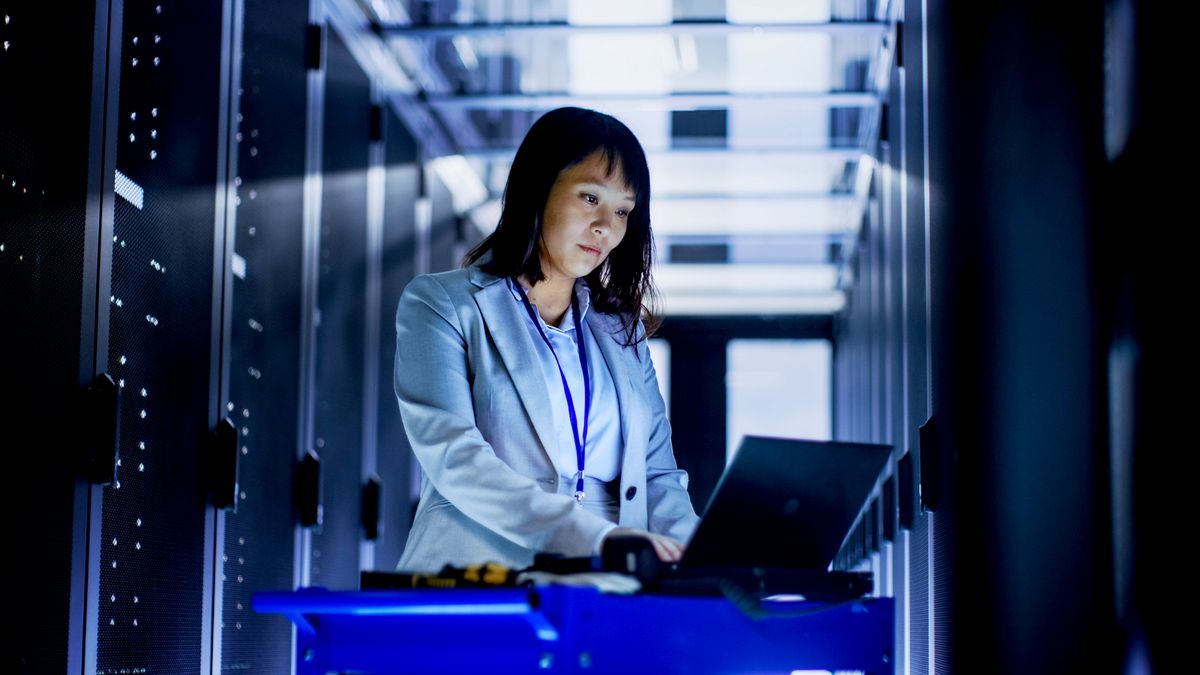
[(587, 384)]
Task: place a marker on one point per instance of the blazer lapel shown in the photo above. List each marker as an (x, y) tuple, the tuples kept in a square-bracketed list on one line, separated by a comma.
[(606, 329), (507, 327)]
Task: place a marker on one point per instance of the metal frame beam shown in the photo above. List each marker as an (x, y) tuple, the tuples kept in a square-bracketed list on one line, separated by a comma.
[(562, 28), (673, 101)]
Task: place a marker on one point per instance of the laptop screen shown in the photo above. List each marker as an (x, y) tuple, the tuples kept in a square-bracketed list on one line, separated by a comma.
[(785, 503)]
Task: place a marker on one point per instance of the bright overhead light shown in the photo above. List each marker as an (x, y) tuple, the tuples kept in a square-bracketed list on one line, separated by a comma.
[(773, 11), (466, 188), (619, 12), (466, 53), (745, 279), (619, 64), (749, 174), (779, 62), (486, 216), (777, 123), (729, 305), (689, 61), (749, 216)]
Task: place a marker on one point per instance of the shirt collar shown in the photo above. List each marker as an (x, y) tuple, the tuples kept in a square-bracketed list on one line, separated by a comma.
[(583, 294)]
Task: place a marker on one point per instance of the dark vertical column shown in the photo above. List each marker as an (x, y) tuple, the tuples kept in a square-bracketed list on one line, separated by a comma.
[(893, 148), (916, 322), (399, 267), (1152, 355), (51, 158), (341, 303), (264, 381), (698, 366), (443, 230), (1016, 147), (151, 550)]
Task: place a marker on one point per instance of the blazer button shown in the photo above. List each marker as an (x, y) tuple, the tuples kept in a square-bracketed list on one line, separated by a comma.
[(630, 493)]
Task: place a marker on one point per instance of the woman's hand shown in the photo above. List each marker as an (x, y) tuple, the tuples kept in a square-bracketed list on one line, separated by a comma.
[(666, 548)]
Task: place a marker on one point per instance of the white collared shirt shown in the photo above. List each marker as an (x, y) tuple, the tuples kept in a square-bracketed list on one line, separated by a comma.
[(603, 451)]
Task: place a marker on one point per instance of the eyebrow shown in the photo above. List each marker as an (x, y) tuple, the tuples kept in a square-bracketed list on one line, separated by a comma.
[(592, 180)]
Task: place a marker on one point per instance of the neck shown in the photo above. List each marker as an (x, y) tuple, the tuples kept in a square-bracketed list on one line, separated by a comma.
[(552, 296)]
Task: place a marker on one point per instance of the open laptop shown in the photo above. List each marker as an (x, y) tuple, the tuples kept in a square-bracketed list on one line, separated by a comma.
[(784, 503), (774, 523)]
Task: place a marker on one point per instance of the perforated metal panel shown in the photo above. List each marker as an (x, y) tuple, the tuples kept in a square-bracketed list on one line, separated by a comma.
[(942, 572), (338, 420), (151, 601), (399, 266), (918, 598), (264, 379), (44, 134)]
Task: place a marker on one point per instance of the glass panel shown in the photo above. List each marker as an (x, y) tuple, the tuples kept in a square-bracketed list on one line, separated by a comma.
[(777, 388)]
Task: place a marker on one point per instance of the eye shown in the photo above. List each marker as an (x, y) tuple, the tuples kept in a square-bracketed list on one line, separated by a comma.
[(623, 213), (590, 198)]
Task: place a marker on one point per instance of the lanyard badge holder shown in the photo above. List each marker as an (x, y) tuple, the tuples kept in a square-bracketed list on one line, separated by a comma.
[(580, 443)]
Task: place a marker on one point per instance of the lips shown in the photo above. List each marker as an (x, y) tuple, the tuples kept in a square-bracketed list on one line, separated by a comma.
[(590, 249)]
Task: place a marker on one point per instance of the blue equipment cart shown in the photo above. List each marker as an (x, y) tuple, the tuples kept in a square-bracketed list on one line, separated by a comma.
[(564, 629)]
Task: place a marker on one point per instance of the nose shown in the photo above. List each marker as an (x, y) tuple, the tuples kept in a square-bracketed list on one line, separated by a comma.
[(602, 222)]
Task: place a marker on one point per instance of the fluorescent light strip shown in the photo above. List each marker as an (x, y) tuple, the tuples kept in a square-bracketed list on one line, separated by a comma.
[(466, 189), (129, 190), (723, 279), (749, 216), (733, 305), (772, 11), (238, 266)]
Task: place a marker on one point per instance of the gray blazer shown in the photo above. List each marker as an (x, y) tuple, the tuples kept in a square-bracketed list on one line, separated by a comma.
[(477, 413)]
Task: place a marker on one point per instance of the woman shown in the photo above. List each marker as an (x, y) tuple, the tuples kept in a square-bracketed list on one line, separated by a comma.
[(524, 380)]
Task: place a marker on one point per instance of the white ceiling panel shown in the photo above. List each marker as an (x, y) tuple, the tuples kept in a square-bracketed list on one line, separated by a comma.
[(714, 289), (745, 279), (745, 174), (726, 305), (826, 215), (779, 62), (619, 12), (778, 124), (775, 11)]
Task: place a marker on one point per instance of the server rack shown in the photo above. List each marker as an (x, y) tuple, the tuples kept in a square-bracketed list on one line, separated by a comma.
[(55, 212), (399, 265), (267, 138), (341, 306), (156, 224)]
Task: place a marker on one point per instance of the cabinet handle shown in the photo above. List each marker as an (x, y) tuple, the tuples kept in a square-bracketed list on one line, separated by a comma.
[(306, 490), (223, 465), (371, 501), (98, 434)]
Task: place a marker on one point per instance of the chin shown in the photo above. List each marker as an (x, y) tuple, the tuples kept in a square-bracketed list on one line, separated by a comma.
[(583, 270), (591, 269)]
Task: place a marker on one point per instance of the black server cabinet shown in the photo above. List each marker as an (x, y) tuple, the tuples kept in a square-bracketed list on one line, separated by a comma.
[(1018, 358), (150, 608), (257, 546), (394, 459), (50, 176), (341, 308)]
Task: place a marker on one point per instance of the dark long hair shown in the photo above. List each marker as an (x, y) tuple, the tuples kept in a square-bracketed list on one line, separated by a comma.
[(557, 140)]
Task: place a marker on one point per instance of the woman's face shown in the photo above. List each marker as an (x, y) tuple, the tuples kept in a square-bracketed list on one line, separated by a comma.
[(585, 217)]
